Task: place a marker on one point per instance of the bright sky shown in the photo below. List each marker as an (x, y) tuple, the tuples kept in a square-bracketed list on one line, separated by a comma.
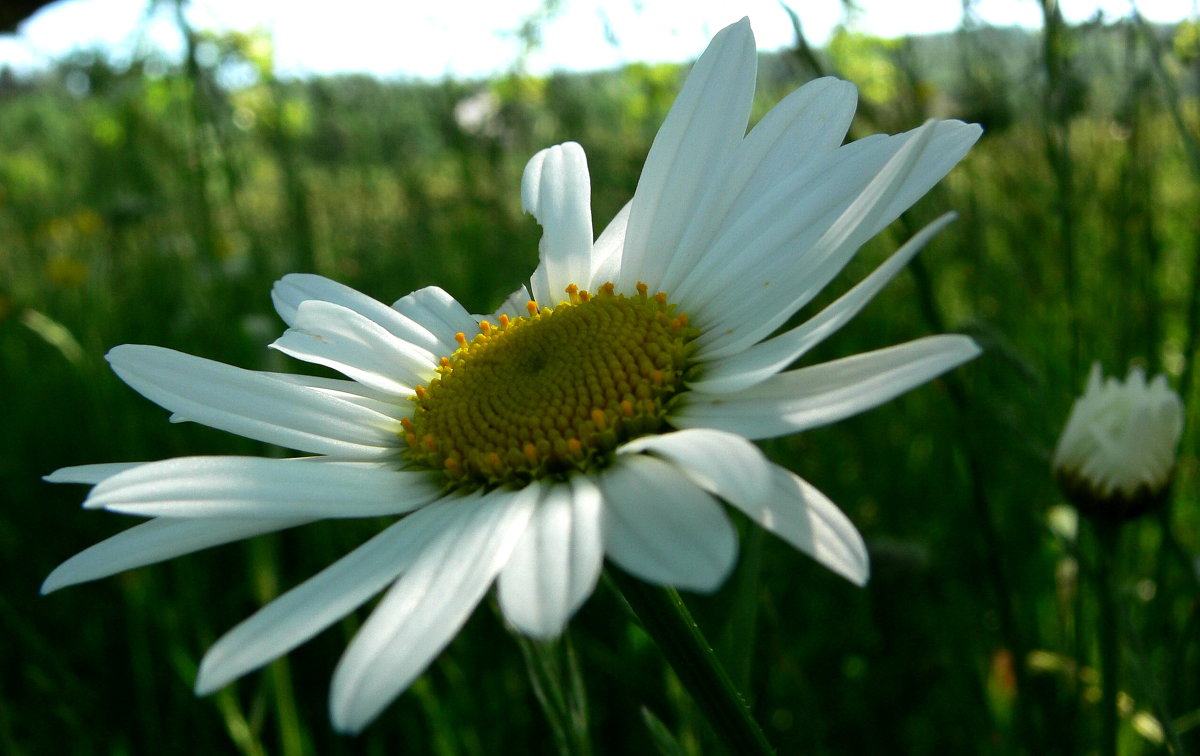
[(468, 38)]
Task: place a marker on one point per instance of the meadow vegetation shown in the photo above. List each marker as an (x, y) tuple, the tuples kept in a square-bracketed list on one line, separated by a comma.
[(155, 203)]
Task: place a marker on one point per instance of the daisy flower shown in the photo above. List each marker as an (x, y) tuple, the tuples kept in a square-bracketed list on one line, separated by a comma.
[(1116, 456), (607, 410)]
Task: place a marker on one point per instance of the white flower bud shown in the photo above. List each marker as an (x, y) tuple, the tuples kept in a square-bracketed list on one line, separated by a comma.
[(1116, 457)]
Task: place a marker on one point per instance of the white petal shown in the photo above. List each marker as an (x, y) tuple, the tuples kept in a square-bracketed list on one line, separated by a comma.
[(514, 304), (690, 151), (90, 474), (731, 467), (556, 189), (296, 288), (258, 487), (156, 541), (806, 125), (823, 394), (421, 613), (310, 607), (767, 358), (805, 518), (662, 528), (742, 323), (356, 346), (950, 143), (349, 391), (802, 127), (777, 224), (556, 564), (606, 253), (254, 405), (719, 462), (440, 314), (752, 306)]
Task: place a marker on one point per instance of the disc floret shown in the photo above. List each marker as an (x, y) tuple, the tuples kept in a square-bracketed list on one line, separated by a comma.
[(552, 391)]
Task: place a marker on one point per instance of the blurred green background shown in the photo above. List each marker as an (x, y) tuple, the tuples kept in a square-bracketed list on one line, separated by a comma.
[(151, 203)]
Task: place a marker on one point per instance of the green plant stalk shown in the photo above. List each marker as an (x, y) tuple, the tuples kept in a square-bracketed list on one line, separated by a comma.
[(975, 467), (737, 641), (265, 561), (1078, 653), (1057, 133), (668, 621), (561, 702), (204, 212), (1106, 546), (1191, 147), (1140, 663)]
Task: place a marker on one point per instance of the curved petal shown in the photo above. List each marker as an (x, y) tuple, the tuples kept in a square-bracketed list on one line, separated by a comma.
[(823, 394), (717, 461), (425, 608), (254, 405), (767, 358), (440, 314), (740, 325), (803, 516), (89, 474), (805, 126), (802, 127), (729, 466), (288, 292), (259, 487), (662, 528), (337, 337), (557, 190), (514, 304), (556, 564), (753, 306), (348, 391), (315, 604), (606, 252), (690, 152), (156, 541), (294, 289), (774, 225)]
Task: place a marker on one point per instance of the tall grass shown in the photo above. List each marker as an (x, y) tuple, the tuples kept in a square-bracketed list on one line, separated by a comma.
[(156, 205)]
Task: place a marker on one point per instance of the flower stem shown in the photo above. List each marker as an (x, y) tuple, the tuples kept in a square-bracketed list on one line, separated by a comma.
[(1106, 542), (558, 687), (668, 621)]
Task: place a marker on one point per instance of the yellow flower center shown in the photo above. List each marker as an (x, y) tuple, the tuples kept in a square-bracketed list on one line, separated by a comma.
[(553, 391)]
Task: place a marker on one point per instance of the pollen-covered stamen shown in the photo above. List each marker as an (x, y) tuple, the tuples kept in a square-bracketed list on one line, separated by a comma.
[(553, 391)]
